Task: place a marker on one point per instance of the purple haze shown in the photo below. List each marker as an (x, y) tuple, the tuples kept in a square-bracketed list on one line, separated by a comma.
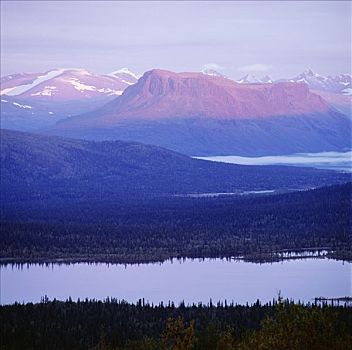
[(277, 38)]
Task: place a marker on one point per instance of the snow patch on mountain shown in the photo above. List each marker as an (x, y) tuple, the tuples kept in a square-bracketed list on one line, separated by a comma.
[(48, 91), (252, 79), (212, 72), (110, 92), (80, 71), (339, 84), (18, 90), (126, 82), (21, 106), (267, 79), (335, 84), (5, 91), (347, 91), (124, 71), (80, 86)]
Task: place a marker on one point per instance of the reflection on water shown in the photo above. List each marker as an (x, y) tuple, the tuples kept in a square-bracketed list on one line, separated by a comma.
[(341, 161), (219, 194), (190, 280), (317, 253)]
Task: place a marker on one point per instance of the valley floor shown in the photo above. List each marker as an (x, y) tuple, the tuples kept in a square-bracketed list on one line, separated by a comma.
[(255, 228)]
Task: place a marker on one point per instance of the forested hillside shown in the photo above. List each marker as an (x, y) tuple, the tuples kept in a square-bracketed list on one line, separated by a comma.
[(158, 229), (53, 168), (113, 325)]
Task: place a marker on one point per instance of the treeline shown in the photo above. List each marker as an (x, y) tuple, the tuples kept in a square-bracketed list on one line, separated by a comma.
[(253, 227), (122, 326)]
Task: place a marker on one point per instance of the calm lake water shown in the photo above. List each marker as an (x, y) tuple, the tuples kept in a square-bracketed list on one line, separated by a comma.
[(341, 161), (191, 281)]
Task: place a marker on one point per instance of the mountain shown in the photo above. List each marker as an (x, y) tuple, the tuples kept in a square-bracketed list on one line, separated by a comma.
[(162, 94), (252, 79), (53, 168), (56, 94), (24, 115), (61, 85), (66, 84), (212, 72), (341, 102), (199, 114), (125, 75), (340, 84), (336, 90)]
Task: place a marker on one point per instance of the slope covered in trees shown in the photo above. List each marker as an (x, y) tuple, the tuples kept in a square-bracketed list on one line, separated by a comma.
[(53, 168), (155, 230), (113, 325)]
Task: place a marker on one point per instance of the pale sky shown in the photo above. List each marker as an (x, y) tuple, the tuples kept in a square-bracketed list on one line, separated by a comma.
[(277, 38)]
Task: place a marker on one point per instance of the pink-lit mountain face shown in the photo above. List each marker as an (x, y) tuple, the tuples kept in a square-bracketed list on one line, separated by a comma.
[(161, 95), (30, 101), (65, 84), (201, 114), (341, 102), (336, 90), (194, 113)]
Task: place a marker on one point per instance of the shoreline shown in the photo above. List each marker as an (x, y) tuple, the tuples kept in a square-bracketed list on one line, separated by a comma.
[(115, 260)]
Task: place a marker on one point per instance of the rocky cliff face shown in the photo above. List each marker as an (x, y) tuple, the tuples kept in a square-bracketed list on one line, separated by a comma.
[(163, 95)]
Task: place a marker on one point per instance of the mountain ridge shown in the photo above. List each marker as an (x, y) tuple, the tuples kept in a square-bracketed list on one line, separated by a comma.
[(161, 94), (56, 94), (36, 167), (202, 115), (197, 114)]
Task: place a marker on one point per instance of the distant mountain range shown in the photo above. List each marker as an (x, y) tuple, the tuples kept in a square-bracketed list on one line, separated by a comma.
[(30, 101), (194, 113), (252, 79), (340, 84), (44, 168), (198, 114), (66, 84), (164, 95), (336, 90)]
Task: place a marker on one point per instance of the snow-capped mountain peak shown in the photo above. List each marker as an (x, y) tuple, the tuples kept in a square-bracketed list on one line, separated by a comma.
[(309, 72), (30, 84), (64, 84), (124, 71), (267, 79), (334, 84), (248, 79), (252, 79), (212, 72), (80, 71)]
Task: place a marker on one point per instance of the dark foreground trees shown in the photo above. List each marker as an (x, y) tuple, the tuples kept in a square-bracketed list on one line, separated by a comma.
[(113, 325)]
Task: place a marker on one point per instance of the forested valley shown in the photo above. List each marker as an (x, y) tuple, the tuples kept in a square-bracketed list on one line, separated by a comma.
[(132, 231)]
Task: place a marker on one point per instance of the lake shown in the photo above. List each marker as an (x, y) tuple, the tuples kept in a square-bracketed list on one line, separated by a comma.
[(188, 280), (341, 161)]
